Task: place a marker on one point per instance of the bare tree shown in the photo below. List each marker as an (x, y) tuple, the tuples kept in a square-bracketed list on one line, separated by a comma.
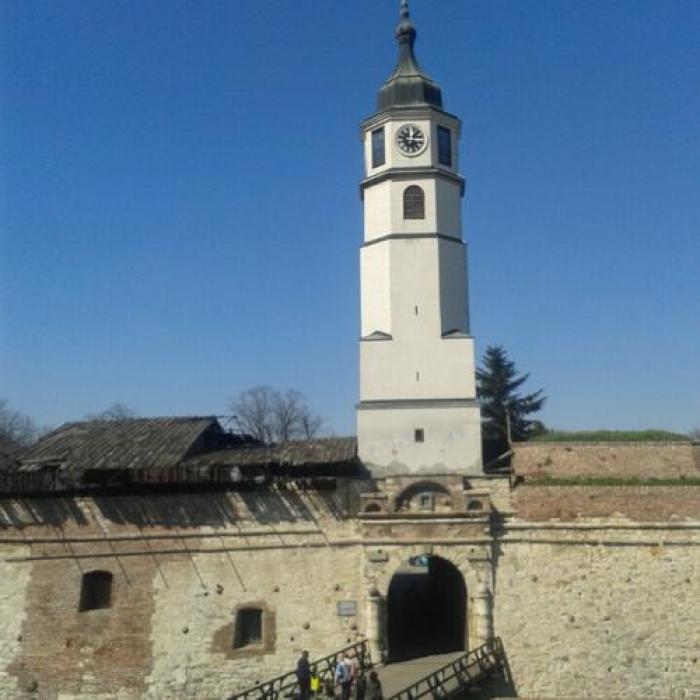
[(15, 427), (117, 411), (270, 415), (694, 434)]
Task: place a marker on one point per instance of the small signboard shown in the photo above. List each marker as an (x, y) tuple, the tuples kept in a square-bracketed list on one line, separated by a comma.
[(346, 608)]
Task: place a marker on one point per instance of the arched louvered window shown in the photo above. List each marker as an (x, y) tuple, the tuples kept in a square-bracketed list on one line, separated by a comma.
[(96, 591), (413, 203)]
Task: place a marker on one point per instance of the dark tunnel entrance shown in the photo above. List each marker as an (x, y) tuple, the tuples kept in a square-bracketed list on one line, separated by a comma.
[(427, 606)]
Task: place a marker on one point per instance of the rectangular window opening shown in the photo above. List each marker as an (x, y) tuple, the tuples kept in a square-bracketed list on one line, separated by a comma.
[(248, 628), (378, 147), (444, 146), (419, 435), (426, 501), (95, 591)]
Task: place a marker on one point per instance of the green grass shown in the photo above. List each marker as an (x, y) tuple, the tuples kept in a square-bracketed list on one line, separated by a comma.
[(611, 481), (610, 436)]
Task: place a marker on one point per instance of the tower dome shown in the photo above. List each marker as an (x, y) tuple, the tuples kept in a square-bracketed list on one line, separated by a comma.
[(407, 86)]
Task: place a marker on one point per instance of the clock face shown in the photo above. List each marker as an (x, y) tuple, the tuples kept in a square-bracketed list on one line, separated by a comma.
[(411, 140)]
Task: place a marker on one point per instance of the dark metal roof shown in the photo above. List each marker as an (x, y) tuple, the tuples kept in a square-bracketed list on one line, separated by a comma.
[(407, 86), (132, 443), (296, 453)]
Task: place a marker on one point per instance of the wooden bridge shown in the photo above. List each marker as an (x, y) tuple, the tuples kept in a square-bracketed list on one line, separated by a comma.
[(439, 677)]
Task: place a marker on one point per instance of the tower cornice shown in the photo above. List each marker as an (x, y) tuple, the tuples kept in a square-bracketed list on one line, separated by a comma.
[(405, 113), (410, 174)]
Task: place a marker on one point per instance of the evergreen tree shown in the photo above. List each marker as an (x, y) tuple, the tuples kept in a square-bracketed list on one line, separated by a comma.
[(497, 385)]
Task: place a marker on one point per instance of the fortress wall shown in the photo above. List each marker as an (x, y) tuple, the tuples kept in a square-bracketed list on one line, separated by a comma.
[(571, 599), (192, 629), (622, 460), (13, 604), (182, 565), (582, 618), (636, 503)]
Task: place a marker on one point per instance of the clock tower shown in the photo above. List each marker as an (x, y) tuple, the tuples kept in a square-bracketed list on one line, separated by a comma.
[(418, 411)]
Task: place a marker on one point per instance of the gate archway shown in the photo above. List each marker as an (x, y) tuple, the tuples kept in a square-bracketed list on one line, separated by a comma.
[(427, 609)]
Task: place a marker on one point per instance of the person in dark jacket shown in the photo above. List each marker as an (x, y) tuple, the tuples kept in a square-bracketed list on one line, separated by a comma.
[(360, 685), (374, 687), (304, 675)]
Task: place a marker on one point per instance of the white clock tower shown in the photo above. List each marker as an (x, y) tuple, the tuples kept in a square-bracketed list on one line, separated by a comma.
[(418, 411)]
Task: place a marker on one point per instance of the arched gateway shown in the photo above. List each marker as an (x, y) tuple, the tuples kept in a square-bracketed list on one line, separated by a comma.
[(428, 599), (426, 609)]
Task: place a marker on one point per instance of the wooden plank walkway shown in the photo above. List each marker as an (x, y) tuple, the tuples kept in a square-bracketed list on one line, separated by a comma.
[(396, 677)]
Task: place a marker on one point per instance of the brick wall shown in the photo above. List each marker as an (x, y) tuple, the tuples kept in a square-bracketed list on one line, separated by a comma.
[(637, 503), (607, 459)]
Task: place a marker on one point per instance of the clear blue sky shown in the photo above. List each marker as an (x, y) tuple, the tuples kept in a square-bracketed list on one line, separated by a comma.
[(180, 215)]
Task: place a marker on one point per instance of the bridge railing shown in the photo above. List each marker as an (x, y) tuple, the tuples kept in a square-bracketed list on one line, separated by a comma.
[(287, 684), (457, 675)]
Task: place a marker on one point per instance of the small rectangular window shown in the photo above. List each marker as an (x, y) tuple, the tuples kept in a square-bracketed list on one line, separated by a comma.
[(426, 501), (444, 146), (419, 435), (378, 147), (96, 591), (248, 629)]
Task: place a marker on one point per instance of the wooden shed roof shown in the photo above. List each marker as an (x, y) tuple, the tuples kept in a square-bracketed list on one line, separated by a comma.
[(295, 453), (106, 453), (131, 443)]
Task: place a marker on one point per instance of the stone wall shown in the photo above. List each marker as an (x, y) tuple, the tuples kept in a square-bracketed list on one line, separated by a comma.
[(14, 581), (181, 567), (624, 460), (603, 613), (604, 605)]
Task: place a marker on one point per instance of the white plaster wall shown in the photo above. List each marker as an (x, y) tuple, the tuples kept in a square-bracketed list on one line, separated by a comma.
[(391, 369), (418, 362), (377, 213), (452, 440), (14, 581), (454, 309), (448, 204), (383, 207), (375, 290)]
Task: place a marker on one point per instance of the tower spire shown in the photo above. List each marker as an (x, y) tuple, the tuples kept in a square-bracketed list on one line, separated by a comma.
[(407, 85), (406, 36)]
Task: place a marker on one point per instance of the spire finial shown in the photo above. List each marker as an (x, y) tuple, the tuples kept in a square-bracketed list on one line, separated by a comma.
[(407, 85), (405, 31)]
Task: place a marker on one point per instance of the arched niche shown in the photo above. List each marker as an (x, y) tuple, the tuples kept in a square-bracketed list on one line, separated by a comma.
[(424, 496)]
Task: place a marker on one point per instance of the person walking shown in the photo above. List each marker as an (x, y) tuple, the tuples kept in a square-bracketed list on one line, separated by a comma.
[(374, 687), (343, 676), (304, 676)]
